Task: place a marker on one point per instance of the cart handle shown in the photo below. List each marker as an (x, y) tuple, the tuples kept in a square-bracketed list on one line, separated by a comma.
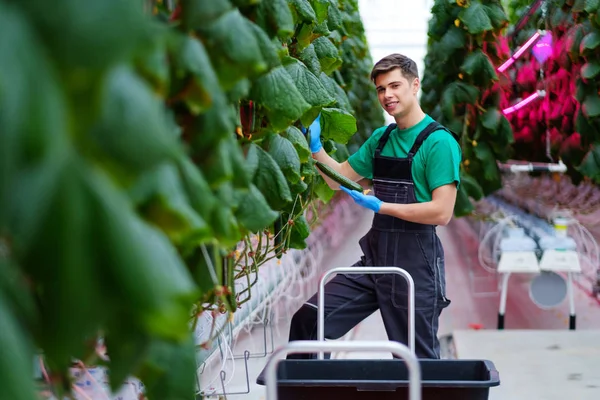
[(367, 270), (303, 346)]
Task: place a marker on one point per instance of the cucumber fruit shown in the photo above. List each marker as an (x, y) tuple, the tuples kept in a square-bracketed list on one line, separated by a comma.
[(341, 179)]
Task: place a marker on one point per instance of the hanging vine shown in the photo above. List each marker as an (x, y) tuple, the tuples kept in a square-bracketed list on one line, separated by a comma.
[(150, 156), (462, 90)]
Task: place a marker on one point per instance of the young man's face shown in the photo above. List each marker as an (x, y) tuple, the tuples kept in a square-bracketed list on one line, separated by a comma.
[(397, 95)]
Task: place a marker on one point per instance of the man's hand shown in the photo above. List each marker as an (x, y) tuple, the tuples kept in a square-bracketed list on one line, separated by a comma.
[(315, 135), (370, 202)]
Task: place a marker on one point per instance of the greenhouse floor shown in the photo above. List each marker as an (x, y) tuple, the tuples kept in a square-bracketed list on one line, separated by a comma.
[(522, 350)]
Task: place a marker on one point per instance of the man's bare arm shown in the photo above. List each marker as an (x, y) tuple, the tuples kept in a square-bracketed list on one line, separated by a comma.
[(438, 211), (341, 168)]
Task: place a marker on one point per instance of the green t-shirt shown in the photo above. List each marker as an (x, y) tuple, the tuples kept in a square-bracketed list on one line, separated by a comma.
[(437, 162)]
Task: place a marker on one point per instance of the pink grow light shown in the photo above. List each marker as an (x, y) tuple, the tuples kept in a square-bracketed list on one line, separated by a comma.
[(519, 52), (543, 48), (524, 102)]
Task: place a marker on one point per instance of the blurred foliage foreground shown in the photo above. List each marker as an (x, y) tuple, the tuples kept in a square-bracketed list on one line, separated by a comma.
[(150, 154)]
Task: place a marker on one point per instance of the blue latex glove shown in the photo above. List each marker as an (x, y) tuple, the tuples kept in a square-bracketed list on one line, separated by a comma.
[(315, 135), (370, 202)]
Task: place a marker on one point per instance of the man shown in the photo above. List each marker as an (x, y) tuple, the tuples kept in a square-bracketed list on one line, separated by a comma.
[(414, 165)]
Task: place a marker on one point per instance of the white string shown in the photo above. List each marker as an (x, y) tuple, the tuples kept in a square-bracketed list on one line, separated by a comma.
[(488, 253)]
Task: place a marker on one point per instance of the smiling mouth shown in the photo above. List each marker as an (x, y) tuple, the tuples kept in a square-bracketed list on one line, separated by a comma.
[(391, 104)]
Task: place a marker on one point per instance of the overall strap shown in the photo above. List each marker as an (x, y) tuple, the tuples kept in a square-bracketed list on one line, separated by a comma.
[(429, 129), (383, 140)]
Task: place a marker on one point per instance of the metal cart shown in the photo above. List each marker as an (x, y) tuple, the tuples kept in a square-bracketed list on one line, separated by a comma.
[(407, 378)]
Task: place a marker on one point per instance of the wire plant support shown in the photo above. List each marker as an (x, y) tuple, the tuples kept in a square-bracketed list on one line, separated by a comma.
[(222, 378)]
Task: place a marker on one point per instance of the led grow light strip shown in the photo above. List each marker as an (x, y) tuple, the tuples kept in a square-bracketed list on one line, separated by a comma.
[(524, 102), (520, 52)]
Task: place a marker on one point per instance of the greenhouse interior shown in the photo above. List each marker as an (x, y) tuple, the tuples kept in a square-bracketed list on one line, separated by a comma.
[(300, 199)]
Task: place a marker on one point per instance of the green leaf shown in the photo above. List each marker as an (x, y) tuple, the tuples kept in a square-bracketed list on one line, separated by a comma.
[(153, 61), (198, 13), (304, 10), (210, 127), (465, 93), (276, 18), (590, 70), (267, 48), (455, 124), (62, 259), (334, 18), (254, 212), (591, 6), (190, 57), (560, 18), (478, 65), (128, 347), (140, 262), (578, 6), (591, 41), (304, 36), (457, 93), (90, 36), (285, 155), (573, 39), (484, 153), (463, 205), (268, 178), (217, 165), (333, 87), (163, 202), (234, 48), (337, 125), (583, 89), (591, 106), (471, 186), (322, 29), (34, 130), (497, 15), (491, 118), (322, 190), (225, 226), (295, 136), (241, 178), (132, 118), (504, 133), (239, 91), (16, 370), (454, 38), (277, 92), (169, 371), (310, 59), (590, 166), (308, 84), (228, 195), (321, 8), (196, 187), (299, 232), (328, 55), (583, 125), (298, 187), (475, 18)]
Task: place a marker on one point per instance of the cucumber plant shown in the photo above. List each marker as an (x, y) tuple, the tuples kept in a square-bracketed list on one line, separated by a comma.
[(462, 90), (565, 125), (150, 156), (468, 41)]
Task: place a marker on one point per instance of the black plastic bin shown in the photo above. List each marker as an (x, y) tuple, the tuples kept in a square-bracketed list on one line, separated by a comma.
[(383, 379)]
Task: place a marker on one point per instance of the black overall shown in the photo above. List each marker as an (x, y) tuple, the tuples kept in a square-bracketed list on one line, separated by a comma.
[(390, 242)]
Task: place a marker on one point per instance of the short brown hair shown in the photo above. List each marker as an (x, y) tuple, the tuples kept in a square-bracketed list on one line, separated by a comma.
[(406, 65)]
